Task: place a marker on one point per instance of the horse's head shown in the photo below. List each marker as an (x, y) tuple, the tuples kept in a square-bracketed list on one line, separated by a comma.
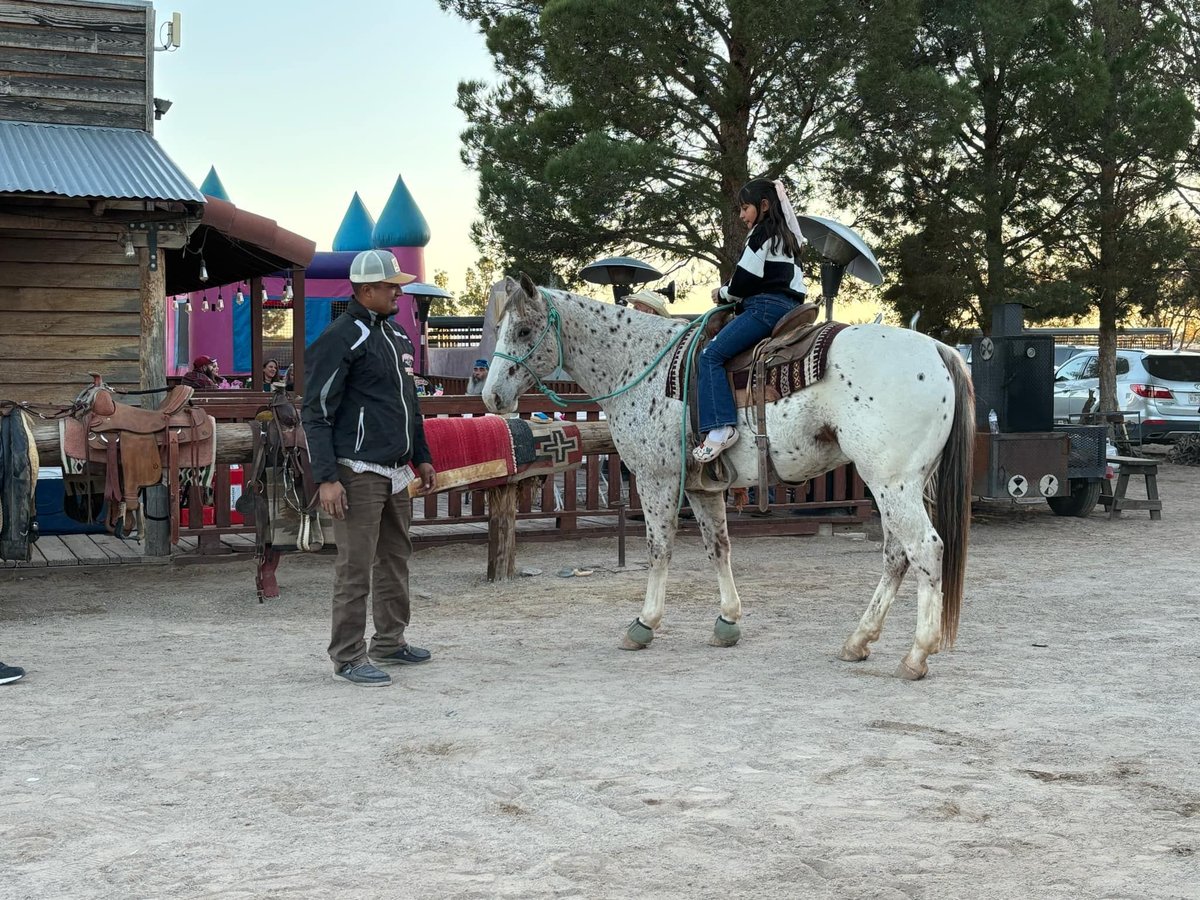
[(527, 347)]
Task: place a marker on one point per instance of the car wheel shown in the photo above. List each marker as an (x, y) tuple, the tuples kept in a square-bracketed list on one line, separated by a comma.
[(1085, 493)]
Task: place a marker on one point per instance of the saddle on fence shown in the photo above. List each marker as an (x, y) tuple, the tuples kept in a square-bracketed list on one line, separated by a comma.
[(279, 491), (133, 448), (18, 486), (791, 358)]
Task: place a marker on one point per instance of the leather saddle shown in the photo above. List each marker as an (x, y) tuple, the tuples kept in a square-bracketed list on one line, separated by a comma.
[(135, 448), (18, 486), (279, 492), (790, 358), (791, 339)]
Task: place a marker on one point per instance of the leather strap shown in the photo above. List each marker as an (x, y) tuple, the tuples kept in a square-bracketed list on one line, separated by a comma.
[(173, 470), (759, 386)]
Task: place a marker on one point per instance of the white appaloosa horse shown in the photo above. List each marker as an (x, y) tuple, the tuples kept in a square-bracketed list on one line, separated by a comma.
[(896, 403)]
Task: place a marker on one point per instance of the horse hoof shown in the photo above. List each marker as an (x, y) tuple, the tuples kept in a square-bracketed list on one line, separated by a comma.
[(908, 673), (637, 636), (851, 653), (725, 633)]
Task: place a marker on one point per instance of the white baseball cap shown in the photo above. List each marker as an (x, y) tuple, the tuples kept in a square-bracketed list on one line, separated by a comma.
[(372, 266)]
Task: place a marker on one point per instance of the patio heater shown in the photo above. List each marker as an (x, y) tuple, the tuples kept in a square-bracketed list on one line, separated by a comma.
[(622, 272), (425, 294), (841, 251)]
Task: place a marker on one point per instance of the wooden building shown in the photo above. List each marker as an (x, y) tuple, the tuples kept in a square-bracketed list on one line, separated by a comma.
[(88, 199), (97, 224)]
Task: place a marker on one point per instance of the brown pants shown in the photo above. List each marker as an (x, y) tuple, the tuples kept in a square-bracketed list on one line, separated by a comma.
[(373, 545)]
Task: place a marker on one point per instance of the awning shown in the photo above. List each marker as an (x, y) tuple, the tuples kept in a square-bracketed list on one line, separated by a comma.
[(235, 245), (82, 161)]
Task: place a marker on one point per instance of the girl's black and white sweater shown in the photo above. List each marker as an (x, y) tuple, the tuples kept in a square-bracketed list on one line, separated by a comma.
[(765, 268)]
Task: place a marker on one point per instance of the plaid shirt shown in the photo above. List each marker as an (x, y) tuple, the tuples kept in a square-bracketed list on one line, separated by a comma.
[(400, 475)]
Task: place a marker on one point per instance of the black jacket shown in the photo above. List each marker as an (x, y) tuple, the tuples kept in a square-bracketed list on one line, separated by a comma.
[(359, 403)]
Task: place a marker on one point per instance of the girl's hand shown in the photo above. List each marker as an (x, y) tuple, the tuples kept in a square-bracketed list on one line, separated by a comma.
[(716, 295)]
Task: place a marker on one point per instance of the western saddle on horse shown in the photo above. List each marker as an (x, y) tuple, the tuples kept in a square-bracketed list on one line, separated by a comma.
[(791, 358), (134, 448), (18, 486)]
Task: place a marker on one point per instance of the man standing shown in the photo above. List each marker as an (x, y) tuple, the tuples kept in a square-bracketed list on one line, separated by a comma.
[(478, 377), (364, 429)]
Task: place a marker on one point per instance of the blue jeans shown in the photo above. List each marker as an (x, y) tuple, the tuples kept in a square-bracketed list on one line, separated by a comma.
[(758, 320)]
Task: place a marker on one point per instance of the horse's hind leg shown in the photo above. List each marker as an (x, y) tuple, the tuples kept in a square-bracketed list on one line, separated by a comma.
[(710, 514), (661, 524), (870, 626), (907, 525)]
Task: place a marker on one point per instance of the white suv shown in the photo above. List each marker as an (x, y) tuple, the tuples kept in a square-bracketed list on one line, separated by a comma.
[(1161, 386)]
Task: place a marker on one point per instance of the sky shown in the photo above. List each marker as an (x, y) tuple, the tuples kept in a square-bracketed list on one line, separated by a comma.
[(298, 108)]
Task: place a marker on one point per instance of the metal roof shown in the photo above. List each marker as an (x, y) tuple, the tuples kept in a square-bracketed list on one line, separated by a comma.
[(83, 161)]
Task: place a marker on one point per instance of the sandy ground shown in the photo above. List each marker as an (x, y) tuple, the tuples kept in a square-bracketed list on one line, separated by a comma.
[(176, 739)]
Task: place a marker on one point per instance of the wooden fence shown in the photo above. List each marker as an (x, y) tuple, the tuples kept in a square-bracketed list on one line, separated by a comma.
[(583, 502)]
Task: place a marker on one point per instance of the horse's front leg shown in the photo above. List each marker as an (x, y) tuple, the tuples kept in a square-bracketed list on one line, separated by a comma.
[(658, 506), (710, 514)]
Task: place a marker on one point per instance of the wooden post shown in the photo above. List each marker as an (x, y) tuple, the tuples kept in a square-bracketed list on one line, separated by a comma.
[(298, 337), (152, 362), (502, 532), (256, 331)]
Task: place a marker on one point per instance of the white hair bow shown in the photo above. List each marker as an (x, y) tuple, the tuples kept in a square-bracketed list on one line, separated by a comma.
[(789, 214)]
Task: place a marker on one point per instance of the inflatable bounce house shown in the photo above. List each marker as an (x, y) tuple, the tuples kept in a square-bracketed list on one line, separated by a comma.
[(219, 321)]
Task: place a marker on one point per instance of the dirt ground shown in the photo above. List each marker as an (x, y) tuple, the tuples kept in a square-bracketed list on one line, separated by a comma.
[(174, 738)]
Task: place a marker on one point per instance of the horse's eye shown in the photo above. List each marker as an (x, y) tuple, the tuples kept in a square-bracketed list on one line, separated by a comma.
[(524, 332)]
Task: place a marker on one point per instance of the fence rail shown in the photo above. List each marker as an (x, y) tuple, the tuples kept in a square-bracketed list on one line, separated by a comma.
[(577, 503)]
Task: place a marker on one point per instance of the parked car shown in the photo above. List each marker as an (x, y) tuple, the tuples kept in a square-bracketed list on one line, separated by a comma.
[(1161, 386)]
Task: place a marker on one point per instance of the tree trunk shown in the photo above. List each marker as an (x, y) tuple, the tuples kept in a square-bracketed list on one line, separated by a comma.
[(734, 130)]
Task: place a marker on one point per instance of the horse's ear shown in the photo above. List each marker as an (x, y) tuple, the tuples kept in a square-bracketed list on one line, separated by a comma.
[(503, 293), (529, 287)]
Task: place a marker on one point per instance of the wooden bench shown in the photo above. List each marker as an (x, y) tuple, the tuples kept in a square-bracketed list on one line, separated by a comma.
[(1116, 502)]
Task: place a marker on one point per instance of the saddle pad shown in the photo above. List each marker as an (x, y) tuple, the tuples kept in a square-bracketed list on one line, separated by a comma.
[(796, 374), (468, 451), (543, 448)]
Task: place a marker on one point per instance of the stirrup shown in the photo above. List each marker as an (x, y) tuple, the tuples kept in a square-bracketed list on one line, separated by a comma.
[(707, 452)]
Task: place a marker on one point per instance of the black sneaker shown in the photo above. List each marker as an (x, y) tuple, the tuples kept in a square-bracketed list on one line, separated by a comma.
[(408, 655), (9, 674), (363, 674)]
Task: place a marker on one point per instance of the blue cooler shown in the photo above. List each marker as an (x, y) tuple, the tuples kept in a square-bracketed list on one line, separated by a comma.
[(51, 518)]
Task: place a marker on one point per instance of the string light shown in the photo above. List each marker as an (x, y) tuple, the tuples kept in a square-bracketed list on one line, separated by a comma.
[(203, 270), (239, 298), (187, 305), (287, 291), (220, 301), (130, 253), (204, 306), (265, 298)]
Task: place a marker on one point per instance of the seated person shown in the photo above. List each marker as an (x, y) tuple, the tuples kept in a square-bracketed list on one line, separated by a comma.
[(203, 376), (270, 373), (478, 377)]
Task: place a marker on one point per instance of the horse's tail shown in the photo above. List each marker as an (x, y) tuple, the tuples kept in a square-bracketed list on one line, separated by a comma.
[(952, 509)]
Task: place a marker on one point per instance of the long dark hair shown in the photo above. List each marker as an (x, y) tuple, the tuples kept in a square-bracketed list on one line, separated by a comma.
[(771, 222)]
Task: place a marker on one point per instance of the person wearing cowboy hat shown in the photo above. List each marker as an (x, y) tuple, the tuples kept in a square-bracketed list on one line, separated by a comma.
[(648, 301), (365, 440)]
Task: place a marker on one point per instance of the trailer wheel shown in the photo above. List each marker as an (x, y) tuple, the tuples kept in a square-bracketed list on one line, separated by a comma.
[(1085, 493)]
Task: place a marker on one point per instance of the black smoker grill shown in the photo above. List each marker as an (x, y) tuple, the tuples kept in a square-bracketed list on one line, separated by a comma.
[(1024, 456)]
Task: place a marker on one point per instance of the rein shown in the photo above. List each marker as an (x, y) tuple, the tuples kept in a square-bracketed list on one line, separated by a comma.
[(693, 332)]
